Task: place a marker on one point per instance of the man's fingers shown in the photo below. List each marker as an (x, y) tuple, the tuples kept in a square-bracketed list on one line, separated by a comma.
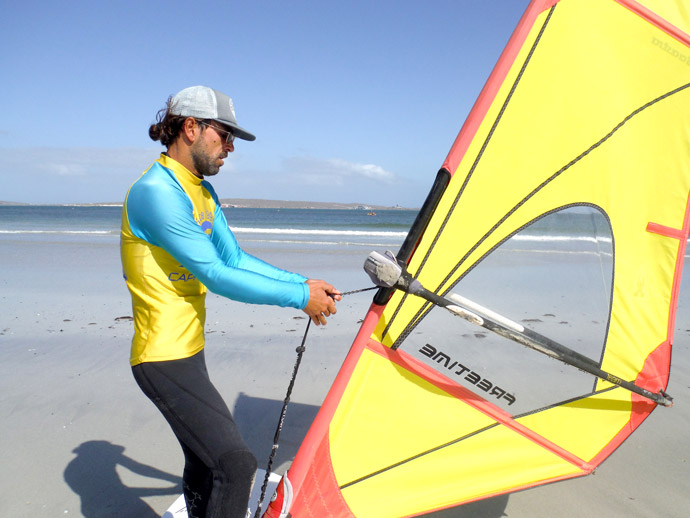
[(322, 298), (319, 319)]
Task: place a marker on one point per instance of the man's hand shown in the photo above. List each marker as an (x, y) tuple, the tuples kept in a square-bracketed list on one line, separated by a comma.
[(322, 297)]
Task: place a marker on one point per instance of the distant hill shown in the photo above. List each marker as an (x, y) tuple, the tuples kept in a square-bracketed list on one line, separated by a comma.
[(286, 204), (248, 203)]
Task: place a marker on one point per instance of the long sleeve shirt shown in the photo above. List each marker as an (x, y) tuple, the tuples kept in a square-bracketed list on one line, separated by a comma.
[(176, 243)]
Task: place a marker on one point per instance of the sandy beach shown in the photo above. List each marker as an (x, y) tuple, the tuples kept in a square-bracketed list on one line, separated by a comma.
[(79, 438)]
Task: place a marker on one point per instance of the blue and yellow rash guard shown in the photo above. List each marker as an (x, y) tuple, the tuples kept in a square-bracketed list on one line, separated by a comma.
[(175, 243)]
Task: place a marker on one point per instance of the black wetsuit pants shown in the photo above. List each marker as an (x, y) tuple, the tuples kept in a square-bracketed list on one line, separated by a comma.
[(219, 468)]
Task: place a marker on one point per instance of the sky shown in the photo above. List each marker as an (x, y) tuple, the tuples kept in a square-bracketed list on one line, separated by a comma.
[(351, 101)]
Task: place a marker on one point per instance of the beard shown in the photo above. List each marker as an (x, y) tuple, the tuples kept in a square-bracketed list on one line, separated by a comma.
[(203, 162)]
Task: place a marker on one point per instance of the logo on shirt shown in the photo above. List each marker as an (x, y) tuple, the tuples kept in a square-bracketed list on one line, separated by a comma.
[(181, 276), (205, 220)]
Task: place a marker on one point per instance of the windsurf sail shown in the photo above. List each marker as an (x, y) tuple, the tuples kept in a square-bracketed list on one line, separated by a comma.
[(586, 115)]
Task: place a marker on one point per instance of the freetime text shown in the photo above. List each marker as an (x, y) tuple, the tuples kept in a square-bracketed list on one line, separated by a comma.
[(469, 375)]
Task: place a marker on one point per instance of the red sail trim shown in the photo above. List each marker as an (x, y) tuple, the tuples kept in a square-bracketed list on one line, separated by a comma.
[(493, 84), (322, 498), (662, 363), (662, 230), (656, 20), (655, 373), (499, 415), (653, 377), (680, 258)]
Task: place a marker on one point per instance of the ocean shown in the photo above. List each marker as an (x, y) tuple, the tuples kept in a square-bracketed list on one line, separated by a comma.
[(386, 229), (302, 227)]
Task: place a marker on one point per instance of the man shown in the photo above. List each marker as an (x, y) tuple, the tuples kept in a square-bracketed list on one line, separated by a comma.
[(175, 243)]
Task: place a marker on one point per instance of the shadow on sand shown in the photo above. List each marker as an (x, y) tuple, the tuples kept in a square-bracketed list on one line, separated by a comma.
[(92, 476), (92, 473), (490, 508), (257, 419)]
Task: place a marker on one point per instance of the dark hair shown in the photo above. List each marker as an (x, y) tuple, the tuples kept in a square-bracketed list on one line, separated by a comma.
[(167, 126)]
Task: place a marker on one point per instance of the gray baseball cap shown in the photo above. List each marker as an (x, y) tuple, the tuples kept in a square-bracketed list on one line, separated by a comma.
[(203, 102)]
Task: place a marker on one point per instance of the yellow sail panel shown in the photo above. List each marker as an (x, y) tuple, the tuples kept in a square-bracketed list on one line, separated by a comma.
[(436, 450), (573, 95), (585, 426), (433, 417), (466, 471)]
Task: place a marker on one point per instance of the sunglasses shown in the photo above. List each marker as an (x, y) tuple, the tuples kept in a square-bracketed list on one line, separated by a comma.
[(226, 135)]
